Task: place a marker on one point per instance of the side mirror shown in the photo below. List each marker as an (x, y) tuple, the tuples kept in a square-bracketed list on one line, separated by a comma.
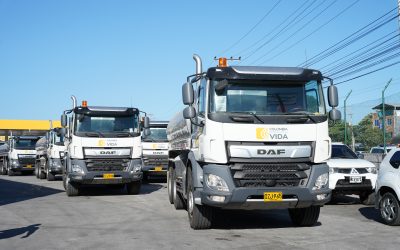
[(335, 115), (146, 123), (333, 98), (187, 93), (146, 132), (63, 120), (189, 113)]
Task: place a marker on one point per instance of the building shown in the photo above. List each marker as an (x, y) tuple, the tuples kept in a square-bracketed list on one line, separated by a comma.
[(392, 113)]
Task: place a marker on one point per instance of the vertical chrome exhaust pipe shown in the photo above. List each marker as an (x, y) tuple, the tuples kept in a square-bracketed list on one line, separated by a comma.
[(199, 66), (74, 103)]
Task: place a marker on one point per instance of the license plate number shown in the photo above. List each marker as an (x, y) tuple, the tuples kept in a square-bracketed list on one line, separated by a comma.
[(355, 179), (272, 196), (29, 166), (158, 168), (108, 176)]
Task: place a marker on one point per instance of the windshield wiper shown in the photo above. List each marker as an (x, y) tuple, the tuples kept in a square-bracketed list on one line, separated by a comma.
[(245, 118), (94, 134), (303, 113)]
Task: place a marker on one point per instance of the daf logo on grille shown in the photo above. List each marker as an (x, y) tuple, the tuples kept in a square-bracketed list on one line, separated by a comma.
[(108, 152), (157, 153), (270, 151)]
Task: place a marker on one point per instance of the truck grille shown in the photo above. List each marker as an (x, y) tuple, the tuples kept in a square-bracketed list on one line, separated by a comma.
[(93, 165), (155, 160), (27, 160), (269, 174), (348, 170)]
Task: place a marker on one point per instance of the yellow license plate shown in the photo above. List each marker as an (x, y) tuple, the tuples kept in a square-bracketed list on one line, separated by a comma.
[(272, 196), (29, 166), (158, 169), (108, 176)]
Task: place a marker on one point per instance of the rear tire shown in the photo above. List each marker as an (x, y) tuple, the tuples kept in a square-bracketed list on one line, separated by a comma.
[(4, 168), (133, 187), (50, 176), (10, 172), (367, 198), (304, 217), (389, 209), (179, 203), (170, 185), (42, 174), (200, 217)]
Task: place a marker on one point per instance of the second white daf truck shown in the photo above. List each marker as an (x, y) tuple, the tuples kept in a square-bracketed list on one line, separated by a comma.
[(103, 146), (251, 138), (155, 151)]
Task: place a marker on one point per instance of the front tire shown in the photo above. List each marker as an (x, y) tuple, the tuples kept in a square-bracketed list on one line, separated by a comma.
[(50, 176), (170, 185), (10, 172), (389, 208), (4, 168), (200, 217), (42, 174), (133, 187), (304, 217), (72, 189), (367, 198)]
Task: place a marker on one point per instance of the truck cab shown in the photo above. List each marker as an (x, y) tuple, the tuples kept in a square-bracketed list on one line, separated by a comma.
[(155, 151), (103, 146), (251, 138), (50, 150), (22, 154)]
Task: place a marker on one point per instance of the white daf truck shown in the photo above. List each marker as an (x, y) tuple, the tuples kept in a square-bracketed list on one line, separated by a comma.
[(21, 156), (103, 146), (155, 151), (49, 151), (251, 138)]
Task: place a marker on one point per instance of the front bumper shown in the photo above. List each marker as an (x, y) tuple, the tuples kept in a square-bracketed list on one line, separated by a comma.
[(98, 177), (55, 166), (340, 182), (253, 198), (155, 170), (23, 168)]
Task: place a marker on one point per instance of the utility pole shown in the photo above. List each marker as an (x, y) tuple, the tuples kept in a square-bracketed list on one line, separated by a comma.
[(384, 115), (345, 124)]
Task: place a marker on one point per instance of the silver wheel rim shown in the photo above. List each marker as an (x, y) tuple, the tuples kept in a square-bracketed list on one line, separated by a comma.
[(169, 184), (173, 190), (388, 209), (190, 203)]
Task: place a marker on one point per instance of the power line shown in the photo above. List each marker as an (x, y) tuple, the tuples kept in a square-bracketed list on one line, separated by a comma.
[(252, 29)]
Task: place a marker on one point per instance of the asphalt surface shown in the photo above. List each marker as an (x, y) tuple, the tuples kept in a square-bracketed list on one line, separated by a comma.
[(37, 214)]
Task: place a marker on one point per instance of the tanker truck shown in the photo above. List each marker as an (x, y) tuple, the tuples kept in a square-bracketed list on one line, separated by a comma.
[(155, 151), (49, 151), (21, 155), (251, 138), (103, 146)]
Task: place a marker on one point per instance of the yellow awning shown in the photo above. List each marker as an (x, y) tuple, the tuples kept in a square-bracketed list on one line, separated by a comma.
[(28, 124)]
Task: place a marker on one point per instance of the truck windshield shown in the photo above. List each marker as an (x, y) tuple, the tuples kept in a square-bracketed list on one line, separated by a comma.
[(106, 126), (342, 152), (157, 134), (25, 144), (267, 97)]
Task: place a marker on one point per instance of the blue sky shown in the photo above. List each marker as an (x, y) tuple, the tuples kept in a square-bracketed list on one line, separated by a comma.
[(123, 53)]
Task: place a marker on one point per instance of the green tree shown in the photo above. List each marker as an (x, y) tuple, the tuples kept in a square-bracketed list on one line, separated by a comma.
[(367, 134), (336, 131)]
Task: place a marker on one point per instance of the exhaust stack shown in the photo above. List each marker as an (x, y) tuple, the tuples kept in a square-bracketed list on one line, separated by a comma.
[(74, 103), (199, 67)]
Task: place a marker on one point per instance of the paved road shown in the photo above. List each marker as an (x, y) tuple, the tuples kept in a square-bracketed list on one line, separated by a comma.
[(37, 214)]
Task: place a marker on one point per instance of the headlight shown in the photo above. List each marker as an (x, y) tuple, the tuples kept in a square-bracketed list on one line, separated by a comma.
[(54, 163), (217, 183), (15, 162), (372, 170), (62, 154), (137, 167), (333, 170), (321, 182), (77, 169)]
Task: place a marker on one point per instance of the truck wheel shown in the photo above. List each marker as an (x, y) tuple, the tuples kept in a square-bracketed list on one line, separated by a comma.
[(389, 208), (42, 174), (4, 168), (200, 217), (10, 172), (367, 198), (36, 170), (170, 185), (304, 217), (64, 179), (133, 187), (179, 203), (72, 189), (50, 176)]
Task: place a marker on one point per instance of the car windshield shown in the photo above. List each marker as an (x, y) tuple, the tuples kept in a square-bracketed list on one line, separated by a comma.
[(157, 134), (342, 152), (378, 150), (267, 97), (25, 144), (106, 126)]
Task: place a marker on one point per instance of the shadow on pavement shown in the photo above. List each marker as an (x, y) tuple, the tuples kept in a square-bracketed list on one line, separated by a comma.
[(344, 200), (9, 233), (371, 214), (105, 190), (232, 219), (12, 191)]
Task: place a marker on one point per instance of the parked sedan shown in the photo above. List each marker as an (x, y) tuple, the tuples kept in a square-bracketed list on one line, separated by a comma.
[(350, 175), (388, 188)]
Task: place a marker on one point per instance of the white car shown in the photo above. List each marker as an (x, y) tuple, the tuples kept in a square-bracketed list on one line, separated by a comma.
[(350, 175), (388, 188)]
